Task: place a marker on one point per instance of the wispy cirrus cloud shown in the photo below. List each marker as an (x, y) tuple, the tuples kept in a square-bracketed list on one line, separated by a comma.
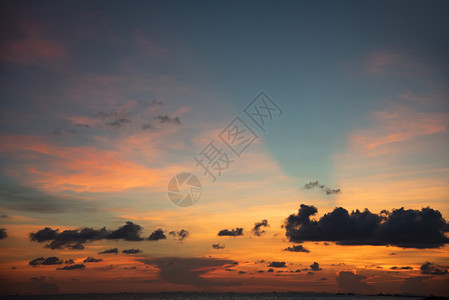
[(398, 125)]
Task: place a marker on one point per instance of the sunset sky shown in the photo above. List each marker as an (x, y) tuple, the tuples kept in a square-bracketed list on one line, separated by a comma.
[(336, 106)]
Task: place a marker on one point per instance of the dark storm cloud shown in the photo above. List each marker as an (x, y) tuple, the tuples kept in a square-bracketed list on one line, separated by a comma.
[(157, 235), (218, 246), (167, 119), (353, 283), (92, 260), (73, 267), (113, 250), (179, 235), (190, 270), (3, 234), (233, 232), (257, 230), (277, 264), (45, 261), (315, 266), (410, 228), (327, 190), (429, 268), (131, 251), (297, 248), (75, 239)]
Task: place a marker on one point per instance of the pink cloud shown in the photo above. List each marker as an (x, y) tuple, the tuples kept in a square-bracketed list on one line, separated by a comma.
[(33, 46), (398, 125)]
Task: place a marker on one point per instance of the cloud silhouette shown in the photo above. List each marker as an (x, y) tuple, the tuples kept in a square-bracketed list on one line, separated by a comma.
[(92, 260), (233, 232), (297, 248), (73, 267), (179, 235), (131, 251), (315, 266), (410, 228), (257, 227), (113, 250), (45, 261), (75, 239), (157, 235), (277, 264), (325, 189), (218, 246), (429, 268), (3, 233)]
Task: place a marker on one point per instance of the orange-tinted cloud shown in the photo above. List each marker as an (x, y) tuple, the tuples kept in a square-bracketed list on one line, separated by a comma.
[(80, 168)]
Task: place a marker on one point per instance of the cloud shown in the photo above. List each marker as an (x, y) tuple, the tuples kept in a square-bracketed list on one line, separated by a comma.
[(297, 248), (45, 288), (128, 232), (45, 261), (58, 168), (315, 266), (179, 235), (32, 46), (233, 232), (167, 119), (19, 197), (190, 270), (399, 124), (429, 268), (257, 227), (401, 268), (414, 285), (112, 250), (119, 123), (75, 239), (325, 189), (92, 260), (131, 251), (277, 264), (69, 261), (157, 235), (73, 267), (218, 246), (70, 239), (410, 228), (353, 283), (3, 233)]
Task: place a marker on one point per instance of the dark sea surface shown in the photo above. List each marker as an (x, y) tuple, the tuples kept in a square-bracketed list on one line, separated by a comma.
[(217, 296)]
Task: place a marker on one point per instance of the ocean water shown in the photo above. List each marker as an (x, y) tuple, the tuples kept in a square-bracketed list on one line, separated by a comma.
[(216, 296)]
